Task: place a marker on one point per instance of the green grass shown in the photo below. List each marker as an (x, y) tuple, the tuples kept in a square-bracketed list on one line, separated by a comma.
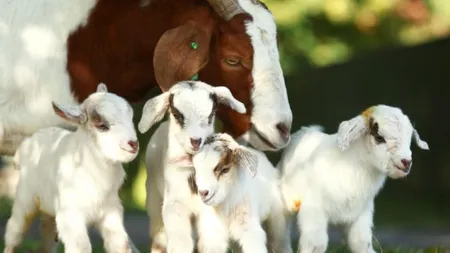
[(34, 246)]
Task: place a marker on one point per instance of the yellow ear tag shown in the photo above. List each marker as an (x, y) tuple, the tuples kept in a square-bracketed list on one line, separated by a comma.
[(297, 205)]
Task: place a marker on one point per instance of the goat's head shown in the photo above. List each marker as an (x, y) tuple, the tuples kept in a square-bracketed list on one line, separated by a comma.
[(238, 50), (107, 118), (192, 106), (387, 134), (218, 165)]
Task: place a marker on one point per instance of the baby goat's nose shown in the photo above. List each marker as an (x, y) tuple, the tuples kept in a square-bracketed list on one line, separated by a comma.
[(407, 163), (204, 193), (134, 145), (196, 143)]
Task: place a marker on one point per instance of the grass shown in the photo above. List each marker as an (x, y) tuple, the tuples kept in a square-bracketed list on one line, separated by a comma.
[(33, 246)]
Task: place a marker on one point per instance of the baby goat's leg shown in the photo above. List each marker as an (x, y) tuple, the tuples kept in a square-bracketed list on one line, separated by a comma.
[(213, 235), (177, 223), (251, 235), (156, 226), (112, 229), (48, 233), (359, 233), (23, 212), (278, 235), (313, 231), (72, 231)]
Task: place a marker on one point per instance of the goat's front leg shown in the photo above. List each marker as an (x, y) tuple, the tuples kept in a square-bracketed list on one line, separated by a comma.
[(213, 234), (72, 230), (359, 233), (313, 226), (178, 228), (250, 235), (48, 233), (277, 231), (113, 231)]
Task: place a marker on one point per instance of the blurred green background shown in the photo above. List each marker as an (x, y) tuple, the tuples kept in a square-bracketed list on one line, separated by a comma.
[(341, 56)]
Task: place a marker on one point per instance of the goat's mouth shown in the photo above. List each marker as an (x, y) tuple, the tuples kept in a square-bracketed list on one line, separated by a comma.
[(133, 151), (208, 200), (262, 138)]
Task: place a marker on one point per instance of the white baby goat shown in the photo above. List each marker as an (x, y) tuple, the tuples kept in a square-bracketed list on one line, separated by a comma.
[(192, 107), (73, 178), (240, 188), (336, 177)]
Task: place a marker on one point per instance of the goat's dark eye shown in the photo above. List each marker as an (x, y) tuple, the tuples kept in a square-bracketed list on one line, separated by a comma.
[(225, 170), (102, 127), (379, 139)]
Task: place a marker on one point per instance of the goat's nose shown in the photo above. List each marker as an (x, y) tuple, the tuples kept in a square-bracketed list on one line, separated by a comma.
[(204, 193), (407, 163), (134, 145), (284, 130), (196, 143)]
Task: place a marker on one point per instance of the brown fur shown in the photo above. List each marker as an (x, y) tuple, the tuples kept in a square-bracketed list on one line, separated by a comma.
[(132, 48)]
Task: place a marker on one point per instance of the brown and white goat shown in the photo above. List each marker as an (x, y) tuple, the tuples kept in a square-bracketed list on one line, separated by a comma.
[(53, 48)]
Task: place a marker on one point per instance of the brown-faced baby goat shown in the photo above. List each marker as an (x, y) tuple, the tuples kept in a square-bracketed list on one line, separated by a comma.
[(192, 107), (73, 178), (337, 176), (240, 190)]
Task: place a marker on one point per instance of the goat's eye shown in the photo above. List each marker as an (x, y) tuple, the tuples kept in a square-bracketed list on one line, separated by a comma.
[(232, 61), (225, 170), (379, 139), (102, 127)]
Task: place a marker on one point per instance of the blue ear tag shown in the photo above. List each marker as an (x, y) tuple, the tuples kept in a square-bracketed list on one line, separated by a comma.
[(194, 46)]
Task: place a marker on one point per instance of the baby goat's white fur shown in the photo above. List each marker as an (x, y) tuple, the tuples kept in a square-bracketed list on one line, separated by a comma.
[(73, 178), (337, 176), (167, 183), (240, 189)]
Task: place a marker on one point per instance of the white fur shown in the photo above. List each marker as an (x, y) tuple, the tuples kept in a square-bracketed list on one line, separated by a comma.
[(240, 201), (269, 95), (33, 59), (337, 176), (73, 178), (169, 198)]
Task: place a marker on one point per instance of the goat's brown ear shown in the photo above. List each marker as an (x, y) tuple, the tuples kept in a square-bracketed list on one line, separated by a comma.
[(180, 54)]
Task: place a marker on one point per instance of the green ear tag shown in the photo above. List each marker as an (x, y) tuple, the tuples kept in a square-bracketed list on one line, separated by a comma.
[(194, 77), (194, 45)]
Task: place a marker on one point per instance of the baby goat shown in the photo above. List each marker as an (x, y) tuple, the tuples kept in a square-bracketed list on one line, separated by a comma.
[(192, 107), (337, 176), (239, 187), (73, 178)]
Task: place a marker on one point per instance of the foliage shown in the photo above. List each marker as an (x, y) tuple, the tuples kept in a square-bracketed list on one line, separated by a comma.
[(316, 33)]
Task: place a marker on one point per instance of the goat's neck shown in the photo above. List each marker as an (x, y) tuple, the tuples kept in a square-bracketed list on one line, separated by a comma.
[(237, 196)]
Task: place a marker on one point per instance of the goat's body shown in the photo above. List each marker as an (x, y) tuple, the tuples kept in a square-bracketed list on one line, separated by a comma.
[(63, 176), (334, 186), (168, 185), (251, 214), (33, 38)]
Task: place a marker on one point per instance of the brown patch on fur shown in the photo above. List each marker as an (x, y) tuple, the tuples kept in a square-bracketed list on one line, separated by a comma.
[(227, 161)]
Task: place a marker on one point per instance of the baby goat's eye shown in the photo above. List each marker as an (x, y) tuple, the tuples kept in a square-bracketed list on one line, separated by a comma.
[(102, 127), (379, 139), (232, 61), (225, 170)]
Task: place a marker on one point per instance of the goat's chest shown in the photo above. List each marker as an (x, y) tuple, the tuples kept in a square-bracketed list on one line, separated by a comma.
[(180, 187)]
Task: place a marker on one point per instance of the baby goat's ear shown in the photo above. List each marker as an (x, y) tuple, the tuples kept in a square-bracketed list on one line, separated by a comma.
[(225, 97), (72, 113), (246, 159), (102, 88), (350, 130), (154, 111), (420, 143), (184, 161)]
